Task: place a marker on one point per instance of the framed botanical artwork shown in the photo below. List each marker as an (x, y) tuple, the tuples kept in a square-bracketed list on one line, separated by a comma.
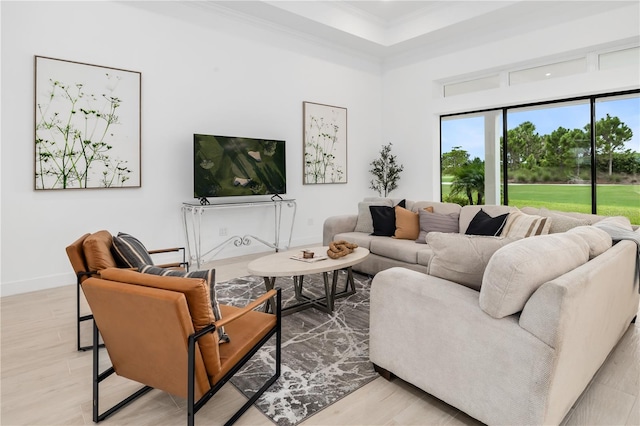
[(87, 126), (325, 143)]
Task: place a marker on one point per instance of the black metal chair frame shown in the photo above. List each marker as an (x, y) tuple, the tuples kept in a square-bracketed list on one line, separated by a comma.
[(193, 406), (81, 318), (81, 275)]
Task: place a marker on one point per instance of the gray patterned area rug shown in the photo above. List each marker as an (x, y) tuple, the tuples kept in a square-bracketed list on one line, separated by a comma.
[(324, 357)]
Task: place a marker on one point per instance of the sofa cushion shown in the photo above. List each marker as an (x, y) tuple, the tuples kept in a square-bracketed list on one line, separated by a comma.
[(208, 275), (425, 254), (97, 251), (584, 218), (524, 225), (516, 271), (436, 222), (129, 252), (531, 210), (462, 258), (599, 241), (483, 224), (364, 223), (391, 201), (559, 222), (407, 224), (360, 238), (404, 203), (402, 250), (437, 207)]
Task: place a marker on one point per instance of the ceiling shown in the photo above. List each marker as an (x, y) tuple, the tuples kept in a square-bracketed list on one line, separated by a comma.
[(389, 11), (387, 28)]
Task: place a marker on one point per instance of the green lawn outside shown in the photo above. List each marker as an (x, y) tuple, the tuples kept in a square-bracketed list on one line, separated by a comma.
[(613, 200)]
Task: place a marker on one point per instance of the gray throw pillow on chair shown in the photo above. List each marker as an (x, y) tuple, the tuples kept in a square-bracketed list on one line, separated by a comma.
[(129, 252)]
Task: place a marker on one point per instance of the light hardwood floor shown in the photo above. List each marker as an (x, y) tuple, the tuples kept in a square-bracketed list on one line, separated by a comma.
[(45, 381)]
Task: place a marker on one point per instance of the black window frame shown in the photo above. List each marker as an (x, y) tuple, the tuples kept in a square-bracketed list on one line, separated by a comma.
[(592, 105)]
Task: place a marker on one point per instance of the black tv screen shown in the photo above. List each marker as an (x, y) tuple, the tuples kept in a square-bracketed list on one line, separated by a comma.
[(226, 166)]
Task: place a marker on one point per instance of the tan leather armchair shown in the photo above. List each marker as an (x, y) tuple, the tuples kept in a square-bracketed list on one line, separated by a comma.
[(159, 331), (92, 253)]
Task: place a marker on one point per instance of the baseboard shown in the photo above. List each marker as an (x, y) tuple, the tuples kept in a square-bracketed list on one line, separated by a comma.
[(41, 283)]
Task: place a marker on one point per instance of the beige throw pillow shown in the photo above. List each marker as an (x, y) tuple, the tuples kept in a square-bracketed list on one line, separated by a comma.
[(462, 258), (364, 223), (515, 272), (523, 225)]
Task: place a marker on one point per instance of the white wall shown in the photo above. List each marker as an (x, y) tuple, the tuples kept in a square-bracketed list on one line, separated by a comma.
[(216, 77), (412, 101), (222, 76)]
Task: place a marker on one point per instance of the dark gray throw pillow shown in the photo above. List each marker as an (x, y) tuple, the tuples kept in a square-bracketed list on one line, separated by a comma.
[(483, 224), (129, 252), (208, 275), (437, 222), (384, 219)]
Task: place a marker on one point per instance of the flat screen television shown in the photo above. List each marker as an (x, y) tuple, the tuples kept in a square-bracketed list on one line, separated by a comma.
[(225, 166)]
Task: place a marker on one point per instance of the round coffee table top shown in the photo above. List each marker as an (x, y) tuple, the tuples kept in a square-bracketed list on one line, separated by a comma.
[(281, 264)]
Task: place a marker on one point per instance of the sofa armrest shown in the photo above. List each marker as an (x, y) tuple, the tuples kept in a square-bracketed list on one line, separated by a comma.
[(336, 225), (582, 315), (599, 295), (432, 333)]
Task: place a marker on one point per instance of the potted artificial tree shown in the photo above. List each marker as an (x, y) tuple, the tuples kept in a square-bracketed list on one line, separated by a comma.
[(385, 171)]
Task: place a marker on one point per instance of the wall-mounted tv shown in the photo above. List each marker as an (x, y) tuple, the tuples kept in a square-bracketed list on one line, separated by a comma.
[(226, 166)]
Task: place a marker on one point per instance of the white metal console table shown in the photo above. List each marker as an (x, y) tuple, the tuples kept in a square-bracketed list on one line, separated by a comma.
[(192, 221)]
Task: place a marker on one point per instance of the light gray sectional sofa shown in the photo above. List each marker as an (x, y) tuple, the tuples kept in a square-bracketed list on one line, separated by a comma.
[(508, 330), (385, 252), (388, 252)]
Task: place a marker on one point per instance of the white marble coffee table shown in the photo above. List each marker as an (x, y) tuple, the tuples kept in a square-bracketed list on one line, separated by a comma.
[(281, 265)]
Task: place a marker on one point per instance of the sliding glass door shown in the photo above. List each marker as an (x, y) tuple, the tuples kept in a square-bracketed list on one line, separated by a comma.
[(618, 156), (578, 155), (549, 156)]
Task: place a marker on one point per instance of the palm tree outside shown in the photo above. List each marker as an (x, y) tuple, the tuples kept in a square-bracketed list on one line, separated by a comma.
[(469, 179)]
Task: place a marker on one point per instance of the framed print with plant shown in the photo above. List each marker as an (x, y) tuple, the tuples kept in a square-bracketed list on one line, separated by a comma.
[(325, 143), (87, 125)]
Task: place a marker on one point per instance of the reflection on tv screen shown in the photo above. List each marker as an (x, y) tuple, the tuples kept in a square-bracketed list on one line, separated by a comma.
[(226, 166)]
